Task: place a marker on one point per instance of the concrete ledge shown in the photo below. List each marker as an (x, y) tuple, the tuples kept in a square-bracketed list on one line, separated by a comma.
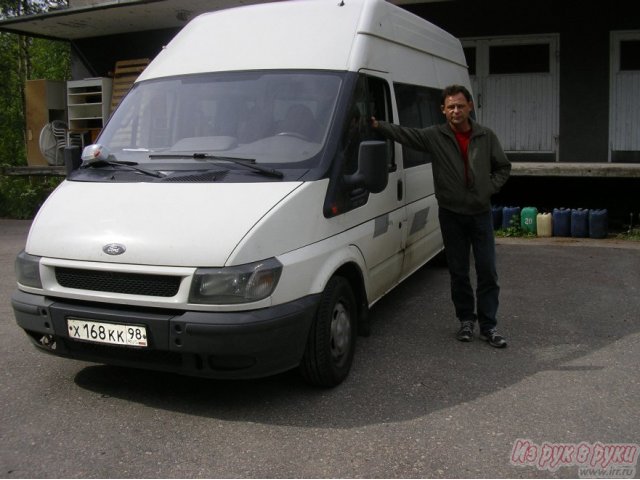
[(33, 171), (518, 169), (560, 169)]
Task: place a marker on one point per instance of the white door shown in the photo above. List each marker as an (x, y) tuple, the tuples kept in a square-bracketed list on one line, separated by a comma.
[(516, 89), (385, 250), (379, 219), (624, 124)]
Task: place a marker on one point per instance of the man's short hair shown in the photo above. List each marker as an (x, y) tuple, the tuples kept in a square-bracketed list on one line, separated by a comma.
[(454, 90)]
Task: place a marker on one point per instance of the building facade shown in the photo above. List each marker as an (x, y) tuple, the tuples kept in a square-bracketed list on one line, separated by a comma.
[(559, 80)]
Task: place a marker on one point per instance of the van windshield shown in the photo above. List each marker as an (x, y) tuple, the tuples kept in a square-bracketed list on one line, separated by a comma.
[(279, 118)]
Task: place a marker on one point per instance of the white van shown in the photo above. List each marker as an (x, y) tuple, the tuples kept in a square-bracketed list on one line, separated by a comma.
[(238, 216)]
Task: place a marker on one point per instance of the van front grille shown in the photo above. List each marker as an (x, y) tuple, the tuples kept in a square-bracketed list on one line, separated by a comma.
[(118, 282)]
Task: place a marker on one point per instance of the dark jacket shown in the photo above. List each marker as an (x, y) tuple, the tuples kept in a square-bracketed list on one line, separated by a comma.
[(489, 167)]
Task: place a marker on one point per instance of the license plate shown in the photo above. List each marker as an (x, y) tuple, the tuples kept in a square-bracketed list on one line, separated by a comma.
[(111, 333)]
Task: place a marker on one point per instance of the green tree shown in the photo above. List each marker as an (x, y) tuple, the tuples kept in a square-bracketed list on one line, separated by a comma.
[(24, 58)]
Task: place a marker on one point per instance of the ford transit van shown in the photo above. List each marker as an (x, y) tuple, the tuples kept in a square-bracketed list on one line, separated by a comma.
[(237, 216)]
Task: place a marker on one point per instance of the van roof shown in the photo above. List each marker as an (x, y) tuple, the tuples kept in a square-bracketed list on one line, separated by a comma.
[(303, 34)]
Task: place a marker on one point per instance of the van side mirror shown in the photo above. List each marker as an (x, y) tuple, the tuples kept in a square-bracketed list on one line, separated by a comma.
[(373, 172), (72, 158)]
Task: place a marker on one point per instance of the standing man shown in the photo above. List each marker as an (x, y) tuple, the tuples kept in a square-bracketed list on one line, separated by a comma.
[(469, 166)]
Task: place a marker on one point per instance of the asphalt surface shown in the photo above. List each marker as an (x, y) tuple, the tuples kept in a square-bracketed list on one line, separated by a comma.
[(417, 403)]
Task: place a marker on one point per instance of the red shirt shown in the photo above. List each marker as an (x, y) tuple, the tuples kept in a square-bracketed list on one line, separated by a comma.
[(463, 143)]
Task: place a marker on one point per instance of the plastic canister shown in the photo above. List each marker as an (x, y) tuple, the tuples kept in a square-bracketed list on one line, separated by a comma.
[(598, 223), (544, 225), (510, 217), (580, 222), (561, 222), (528, 219), (496, 214)]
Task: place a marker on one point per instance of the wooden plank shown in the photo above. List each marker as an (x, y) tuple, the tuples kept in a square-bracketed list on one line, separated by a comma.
[(134, 61), (130, 70), (126, 73)]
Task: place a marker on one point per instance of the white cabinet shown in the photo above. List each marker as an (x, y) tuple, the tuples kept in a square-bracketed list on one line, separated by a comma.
[(88, 103)]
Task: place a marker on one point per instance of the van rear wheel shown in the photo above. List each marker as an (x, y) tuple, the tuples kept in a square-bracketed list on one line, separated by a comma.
[(331, 343)]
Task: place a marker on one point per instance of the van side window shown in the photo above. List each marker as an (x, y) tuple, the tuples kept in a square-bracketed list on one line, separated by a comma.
[(418, 107), (371, 99)]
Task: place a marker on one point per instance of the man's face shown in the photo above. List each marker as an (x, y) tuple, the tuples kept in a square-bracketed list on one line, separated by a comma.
[(457, 109)]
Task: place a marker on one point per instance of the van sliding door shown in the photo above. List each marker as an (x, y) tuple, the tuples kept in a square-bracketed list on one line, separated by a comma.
[(419, 107)]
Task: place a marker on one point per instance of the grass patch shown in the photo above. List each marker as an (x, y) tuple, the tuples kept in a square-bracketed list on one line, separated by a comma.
[(514, 229), (514, 232), (632, 234)]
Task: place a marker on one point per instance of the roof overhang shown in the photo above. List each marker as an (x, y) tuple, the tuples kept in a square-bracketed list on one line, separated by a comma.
[(116, 17)]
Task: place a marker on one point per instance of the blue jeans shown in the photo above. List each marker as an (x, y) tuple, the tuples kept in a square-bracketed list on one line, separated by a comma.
[(460, 234)]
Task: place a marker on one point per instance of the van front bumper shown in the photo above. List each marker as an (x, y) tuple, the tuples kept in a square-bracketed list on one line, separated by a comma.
[(247, 344)]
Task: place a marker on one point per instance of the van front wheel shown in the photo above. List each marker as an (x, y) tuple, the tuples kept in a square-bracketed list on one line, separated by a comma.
[(331, 343)]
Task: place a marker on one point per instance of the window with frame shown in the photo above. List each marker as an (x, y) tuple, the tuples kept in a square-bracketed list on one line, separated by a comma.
[(470, 56), (629, 55), (526, 58), (371, 98), (418, 107)]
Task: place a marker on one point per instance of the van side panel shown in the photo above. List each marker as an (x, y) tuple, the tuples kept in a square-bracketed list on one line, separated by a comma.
[(297, 224), (404, 33)]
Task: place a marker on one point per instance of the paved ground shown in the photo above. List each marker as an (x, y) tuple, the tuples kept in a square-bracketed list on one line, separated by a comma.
[(417, 403)]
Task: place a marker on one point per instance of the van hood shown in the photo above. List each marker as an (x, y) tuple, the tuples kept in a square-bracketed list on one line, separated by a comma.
[(189, 225)]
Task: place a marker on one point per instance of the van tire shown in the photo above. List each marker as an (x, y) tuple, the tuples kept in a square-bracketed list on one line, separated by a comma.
[(332, 338)]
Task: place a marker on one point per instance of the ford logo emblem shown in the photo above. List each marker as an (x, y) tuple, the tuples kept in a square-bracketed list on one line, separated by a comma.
[(114, 249)]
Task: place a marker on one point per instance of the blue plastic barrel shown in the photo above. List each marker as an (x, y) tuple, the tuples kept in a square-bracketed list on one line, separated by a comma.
[(510, 217), (561, 222), (496, 214), (598, 223), (580, 222)]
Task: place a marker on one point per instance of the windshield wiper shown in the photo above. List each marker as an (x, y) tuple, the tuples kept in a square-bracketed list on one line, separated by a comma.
[(120, 163), (245, 162)]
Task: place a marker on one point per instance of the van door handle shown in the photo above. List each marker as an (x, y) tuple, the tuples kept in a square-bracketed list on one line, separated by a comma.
[(400, 190)]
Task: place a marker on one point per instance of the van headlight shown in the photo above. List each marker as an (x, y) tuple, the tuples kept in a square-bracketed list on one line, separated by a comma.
[(241, 284), (28, 270)]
